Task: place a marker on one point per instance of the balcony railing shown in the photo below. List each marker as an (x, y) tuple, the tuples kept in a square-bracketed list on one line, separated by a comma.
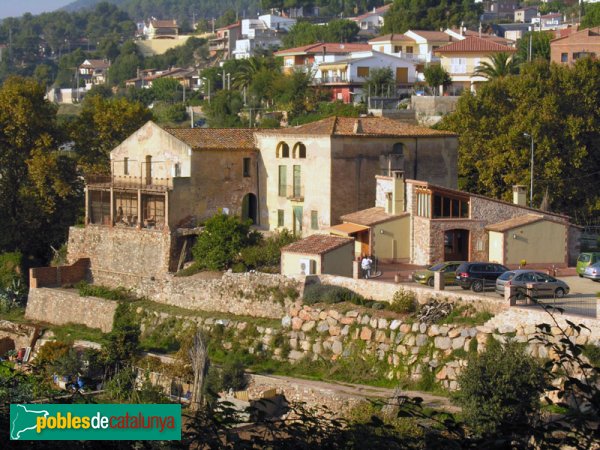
[(129, 182)]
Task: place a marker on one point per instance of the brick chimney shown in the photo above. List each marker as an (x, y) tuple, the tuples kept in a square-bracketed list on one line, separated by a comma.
[(520, 195), (398, 192)]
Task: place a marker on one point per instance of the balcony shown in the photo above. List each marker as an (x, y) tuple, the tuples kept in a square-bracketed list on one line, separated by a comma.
[(294, 193), (129, 182)]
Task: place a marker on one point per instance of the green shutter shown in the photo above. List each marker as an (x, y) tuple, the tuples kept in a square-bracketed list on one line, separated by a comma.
[(282, 181)]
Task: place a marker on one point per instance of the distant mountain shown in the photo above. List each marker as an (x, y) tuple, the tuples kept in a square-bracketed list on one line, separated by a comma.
[(183, 10)]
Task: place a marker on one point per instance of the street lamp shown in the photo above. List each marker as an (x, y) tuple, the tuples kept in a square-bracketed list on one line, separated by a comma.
[(531, 176)]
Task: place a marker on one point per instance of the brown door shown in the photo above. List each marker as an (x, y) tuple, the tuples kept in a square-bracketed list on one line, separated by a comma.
[(456, 245), (402, 75)]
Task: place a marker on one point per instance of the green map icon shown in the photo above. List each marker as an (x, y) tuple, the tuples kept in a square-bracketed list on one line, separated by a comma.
[(24, 420)]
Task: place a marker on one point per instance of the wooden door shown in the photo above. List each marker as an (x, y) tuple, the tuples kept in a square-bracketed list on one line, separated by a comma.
[(402, 75)]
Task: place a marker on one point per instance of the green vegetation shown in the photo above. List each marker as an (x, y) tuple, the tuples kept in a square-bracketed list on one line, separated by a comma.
[(306, 33), (467, 315), (71, 332), (403, 302), (267, 253), (324, 293), (95, 290), (564, 129), (592, 352), (436, 76), (500, 65), (500, 387), (592, 16), (407, 15)]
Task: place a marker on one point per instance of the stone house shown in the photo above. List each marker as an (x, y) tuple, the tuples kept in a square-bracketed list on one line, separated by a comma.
[(422, 223), (312, 174), (568, 49)]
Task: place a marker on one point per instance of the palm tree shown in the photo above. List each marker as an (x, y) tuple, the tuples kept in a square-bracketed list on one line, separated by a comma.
[(499, 66)]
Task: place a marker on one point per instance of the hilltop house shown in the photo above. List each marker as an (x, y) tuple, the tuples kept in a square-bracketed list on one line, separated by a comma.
[(161, 29), (308, 57), (371, 21), (263, 33), (224, 43), (461, 58), (94, 72)]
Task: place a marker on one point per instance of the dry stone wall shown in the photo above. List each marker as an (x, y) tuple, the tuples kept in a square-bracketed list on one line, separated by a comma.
[(62, 306)]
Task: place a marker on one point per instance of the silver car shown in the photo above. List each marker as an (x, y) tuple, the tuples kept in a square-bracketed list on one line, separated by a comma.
[(592, 272), (543, 285)]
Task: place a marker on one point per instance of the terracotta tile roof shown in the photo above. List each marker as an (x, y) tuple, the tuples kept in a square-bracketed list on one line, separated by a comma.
[(215, 138), (330, 48), (96, 63), (381, 10), (588, 32), (474, 44), (363, 126), (371, 216), (496, 39), (433, 35), (164, 23), (229, 27), (514, 222), (317, 244), (394, 37)]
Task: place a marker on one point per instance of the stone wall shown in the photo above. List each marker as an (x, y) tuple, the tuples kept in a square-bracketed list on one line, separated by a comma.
[(433, 106), (62, 306), (252, 294), (125, 251)]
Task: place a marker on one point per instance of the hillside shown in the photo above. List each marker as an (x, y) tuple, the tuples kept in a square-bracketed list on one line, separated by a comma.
[(183, 10)]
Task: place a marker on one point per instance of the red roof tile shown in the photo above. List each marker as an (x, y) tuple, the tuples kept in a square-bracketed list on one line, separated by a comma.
[(96, 63), (394, 37), (515, 222), (433, 35), (215, 138), (370, 216), (164, 23), (330, 47), (317, 244), (473, 44), (363, 126)]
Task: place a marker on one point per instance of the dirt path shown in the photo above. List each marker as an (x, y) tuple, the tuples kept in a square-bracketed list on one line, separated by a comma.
[(347, 390)]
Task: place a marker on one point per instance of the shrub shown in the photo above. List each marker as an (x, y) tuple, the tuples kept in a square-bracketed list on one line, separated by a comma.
[(222, 240), (268, 252), (403, 302), (233, 376), (91, 290), (50, 352), (324, 293), (10, 268), (592, 352), (499, 387)]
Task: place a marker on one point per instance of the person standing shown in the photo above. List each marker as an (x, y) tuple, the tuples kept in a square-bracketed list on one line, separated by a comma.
[(365, 265)]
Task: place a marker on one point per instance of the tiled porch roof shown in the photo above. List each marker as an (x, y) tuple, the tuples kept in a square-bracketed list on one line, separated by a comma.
[(317, 244), (371, 216)]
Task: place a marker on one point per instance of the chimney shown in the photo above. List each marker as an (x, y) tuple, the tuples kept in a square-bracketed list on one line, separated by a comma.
[(520, 195), (398, 192), (358, 129)]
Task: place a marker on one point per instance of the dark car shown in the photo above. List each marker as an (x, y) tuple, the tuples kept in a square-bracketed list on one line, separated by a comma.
[(478, 275)]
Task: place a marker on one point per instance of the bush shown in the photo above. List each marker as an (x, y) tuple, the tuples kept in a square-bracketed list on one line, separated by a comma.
[(10, 268), (222, 240), (90, 290), (499, 387), (233, 376), (324, 293), (268, 252), (403, 302)]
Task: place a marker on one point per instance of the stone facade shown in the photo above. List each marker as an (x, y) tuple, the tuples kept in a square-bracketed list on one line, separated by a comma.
[(59, 276), (62, 306), (14, 336)]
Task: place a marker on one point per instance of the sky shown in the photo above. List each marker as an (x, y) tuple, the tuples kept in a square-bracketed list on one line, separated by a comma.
[(15, 8)]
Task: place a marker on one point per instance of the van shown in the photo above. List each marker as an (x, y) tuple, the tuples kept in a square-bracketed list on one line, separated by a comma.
[(586, 259)]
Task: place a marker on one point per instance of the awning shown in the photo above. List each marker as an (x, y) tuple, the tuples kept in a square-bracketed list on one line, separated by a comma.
[(333, 67), (346, 229)]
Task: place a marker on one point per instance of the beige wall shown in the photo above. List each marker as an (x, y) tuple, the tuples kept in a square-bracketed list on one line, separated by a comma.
[(472, 61), (496, 250), (391, 240), (540, 242), (290, 263), (339, 261), (150, 47), (316, 181)]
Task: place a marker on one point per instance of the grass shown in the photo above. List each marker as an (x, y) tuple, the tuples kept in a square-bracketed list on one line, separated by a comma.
[(191, 270), (466, 315), (16, 315), (92, 290), (72, 332), (184, 312)]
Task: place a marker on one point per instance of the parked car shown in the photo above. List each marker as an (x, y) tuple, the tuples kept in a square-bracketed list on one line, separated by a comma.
[(586, 259), (448, 268), (592, 272), (478, 275), (543, 285)]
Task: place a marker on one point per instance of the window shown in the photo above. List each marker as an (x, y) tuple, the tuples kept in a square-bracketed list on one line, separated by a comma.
[(280, 218), (424, 204), (297, 182), (177, 170), (398, 149), (283, 150), (409, 49), (362, 72), (444, 206), (458, 65), (564, 57), (246, 170), (282, 181), (299, 150), (148, 169), (314, 220), (397, 48), (125, 166)]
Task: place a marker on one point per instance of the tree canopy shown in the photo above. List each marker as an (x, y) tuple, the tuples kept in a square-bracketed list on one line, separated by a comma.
[(558, 106), (592, 15), (306, 33), (431, 15)]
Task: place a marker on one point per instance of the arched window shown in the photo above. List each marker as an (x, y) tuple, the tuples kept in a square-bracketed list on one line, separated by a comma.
[(299, 150), (283, 150), (398, 149)]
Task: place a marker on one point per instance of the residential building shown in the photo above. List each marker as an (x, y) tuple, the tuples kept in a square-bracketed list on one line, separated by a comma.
[(224, 43), (568, 49), (499, 9), (312, 174), (512, 31), (419, 45), (460, 35), (461, 58), (308, 57), (422, 223), (346, 77), (188, 78), (551, 21), (525, 14), (93, 72), (262, 33), (161, 29), (164, 179), (370, 22), (318, 254)]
